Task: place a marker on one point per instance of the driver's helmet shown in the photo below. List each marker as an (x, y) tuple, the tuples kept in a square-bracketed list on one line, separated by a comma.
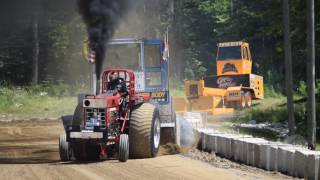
[(113, 76)]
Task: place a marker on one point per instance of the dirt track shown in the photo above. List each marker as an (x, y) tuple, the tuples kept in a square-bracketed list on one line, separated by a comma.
[(29, 150)]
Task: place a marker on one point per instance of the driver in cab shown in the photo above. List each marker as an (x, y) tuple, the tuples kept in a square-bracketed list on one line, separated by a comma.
[(118, 84)]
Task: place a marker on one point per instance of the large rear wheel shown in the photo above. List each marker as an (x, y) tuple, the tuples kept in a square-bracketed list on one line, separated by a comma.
[(144, 131)]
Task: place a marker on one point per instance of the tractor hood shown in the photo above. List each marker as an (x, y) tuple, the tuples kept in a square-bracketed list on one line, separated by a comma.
[(101, 101)]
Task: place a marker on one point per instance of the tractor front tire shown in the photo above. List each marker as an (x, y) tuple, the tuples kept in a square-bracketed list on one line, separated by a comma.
[(123, 148), (64, 148), (144, 131)]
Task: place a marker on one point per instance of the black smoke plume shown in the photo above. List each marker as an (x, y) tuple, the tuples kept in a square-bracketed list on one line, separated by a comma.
[(101, 18)]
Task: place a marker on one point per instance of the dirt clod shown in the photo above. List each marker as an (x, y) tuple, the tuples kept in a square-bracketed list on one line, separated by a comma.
[(169, 149)]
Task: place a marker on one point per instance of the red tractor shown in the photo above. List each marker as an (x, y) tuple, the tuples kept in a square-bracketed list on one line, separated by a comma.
[(112, 125)]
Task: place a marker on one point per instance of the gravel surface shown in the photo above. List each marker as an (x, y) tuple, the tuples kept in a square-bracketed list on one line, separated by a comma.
[(216, 161)]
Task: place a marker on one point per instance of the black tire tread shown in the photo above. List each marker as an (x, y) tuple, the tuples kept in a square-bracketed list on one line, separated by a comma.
[(124, 148)]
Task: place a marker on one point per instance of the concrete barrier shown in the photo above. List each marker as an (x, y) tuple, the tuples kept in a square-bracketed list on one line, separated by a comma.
[(273, 156), (306, 164), (268, 157), (252, 147), (239, 150), (203, 140), (209, 142), (286, 156), (313, 166), (224, 144), (235, 149), (230, 147), (221, 146), (205, 134)]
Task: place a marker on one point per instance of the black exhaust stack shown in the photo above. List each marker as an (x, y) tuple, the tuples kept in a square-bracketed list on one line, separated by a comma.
[(101, 18)]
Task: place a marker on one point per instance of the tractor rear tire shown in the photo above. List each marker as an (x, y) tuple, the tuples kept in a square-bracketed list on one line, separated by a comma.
[(123, 148), (64, 148), (144, 131)]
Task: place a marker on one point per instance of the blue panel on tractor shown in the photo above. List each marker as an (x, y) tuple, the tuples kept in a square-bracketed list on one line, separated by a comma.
[(159, 90)]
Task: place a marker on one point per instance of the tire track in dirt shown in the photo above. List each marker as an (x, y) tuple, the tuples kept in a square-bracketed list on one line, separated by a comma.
[(87, 172)]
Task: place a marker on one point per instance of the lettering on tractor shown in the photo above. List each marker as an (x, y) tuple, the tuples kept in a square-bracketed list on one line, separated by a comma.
[(225, 82), (132, 113), (234, 86), (158, 95)]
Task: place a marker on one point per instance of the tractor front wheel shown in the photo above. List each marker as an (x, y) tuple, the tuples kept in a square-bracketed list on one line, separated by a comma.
[(123, 148)]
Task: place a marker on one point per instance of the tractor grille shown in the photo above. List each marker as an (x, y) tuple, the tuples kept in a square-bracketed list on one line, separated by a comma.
[(95, 117)]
